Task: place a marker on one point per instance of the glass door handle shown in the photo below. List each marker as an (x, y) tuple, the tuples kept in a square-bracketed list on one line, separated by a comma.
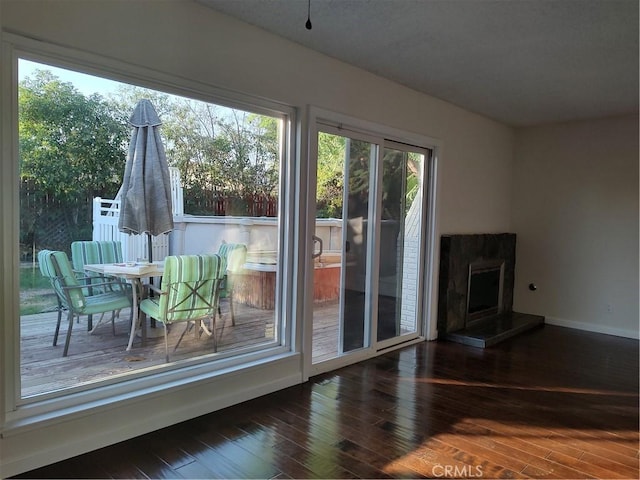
[(317, 240)]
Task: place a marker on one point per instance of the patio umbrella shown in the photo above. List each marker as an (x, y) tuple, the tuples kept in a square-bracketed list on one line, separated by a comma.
[(146, 188)]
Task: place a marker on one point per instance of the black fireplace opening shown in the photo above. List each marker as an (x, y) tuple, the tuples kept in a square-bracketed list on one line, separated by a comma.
[(484, 298)]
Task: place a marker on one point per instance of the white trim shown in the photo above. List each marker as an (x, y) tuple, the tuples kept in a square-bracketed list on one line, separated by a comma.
[(364, 129), (9, 233), (9, 296), (432, 237), (286, 289), (36, 416), (592, 327), (156, 379), (374, 234), (308, 183), (117, 70), (297, 226), (358, 356)]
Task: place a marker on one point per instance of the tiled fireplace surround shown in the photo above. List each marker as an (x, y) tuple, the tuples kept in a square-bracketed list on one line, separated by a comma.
[(457, 253)]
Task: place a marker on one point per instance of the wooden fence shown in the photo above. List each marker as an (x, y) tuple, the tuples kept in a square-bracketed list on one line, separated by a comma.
[(218, 204), (46, 222)]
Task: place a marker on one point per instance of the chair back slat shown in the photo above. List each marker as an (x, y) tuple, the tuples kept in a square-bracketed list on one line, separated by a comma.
[(91, 251), (192, 284), (56, 266), (235, 255), (84, 252), (110, 251), (48, 270)]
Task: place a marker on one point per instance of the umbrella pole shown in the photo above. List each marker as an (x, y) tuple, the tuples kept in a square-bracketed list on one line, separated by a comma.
[(149, 248), (152, 322)]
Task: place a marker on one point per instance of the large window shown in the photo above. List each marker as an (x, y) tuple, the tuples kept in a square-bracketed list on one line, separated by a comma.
[(226, 166)]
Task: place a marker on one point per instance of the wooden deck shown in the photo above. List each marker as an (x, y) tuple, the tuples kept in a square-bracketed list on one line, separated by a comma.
[(94, 357), (552, 403)]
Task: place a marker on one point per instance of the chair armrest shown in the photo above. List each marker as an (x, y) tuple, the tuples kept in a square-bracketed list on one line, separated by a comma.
[(87, 279), (103, 282), (156, 289), (97, 282)]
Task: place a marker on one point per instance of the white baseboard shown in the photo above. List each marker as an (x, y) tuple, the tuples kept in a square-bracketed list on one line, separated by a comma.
[(590, 327)]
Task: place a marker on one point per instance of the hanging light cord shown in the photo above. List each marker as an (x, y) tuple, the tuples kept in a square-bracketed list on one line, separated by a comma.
[(308, 24)]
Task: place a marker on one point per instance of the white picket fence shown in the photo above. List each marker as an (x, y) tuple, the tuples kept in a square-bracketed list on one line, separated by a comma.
[(106, 213)]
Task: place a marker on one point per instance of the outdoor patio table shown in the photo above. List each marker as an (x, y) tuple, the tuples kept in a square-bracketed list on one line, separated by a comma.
[(133, 273)]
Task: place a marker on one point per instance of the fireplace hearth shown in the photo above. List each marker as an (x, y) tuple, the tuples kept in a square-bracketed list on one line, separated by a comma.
[(475, 299)]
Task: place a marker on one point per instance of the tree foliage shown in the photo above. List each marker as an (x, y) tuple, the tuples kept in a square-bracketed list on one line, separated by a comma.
[(71, 149), (400, 182), (70, 145), (218, 151), (330, 175)]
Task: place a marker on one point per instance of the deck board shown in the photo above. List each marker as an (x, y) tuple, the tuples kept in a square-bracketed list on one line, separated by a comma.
[(94, 357)]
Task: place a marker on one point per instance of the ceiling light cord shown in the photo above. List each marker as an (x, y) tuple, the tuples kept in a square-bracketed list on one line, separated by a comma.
[(308, 24)]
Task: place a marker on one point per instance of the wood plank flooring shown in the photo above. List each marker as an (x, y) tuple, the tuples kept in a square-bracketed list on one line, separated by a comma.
[(551, 403)]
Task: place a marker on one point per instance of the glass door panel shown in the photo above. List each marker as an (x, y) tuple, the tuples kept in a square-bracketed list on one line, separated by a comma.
[(328, 249), (361, 156), (340, 246), (400, 220)]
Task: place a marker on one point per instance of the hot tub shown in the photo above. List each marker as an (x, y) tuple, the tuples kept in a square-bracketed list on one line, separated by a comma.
[(256, 284)]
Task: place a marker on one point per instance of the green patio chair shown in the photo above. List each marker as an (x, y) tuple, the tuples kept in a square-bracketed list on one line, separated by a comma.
[(94, 251), (86, 252), (190, 292), (235, 255), (71, 292)]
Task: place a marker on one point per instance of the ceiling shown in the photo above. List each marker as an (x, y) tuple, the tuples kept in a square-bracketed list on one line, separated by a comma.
[(521, 62)]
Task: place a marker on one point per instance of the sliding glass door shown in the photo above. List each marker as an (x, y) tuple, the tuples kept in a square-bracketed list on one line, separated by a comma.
[(367, 244)]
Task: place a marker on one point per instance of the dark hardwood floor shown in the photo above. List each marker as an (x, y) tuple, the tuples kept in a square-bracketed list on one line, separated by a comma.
[(551, 403)]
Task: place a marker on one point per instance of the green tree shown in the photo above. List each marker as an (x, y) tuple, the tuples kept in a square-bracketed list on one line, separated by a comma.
[(72, 148), (70, 145), (330, 175), (218, 151)]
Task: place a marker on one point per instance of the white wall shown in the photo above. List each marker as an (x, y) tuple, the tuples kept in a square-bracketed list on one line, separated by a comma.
[(575, 210), (184, 39), (188, 40)]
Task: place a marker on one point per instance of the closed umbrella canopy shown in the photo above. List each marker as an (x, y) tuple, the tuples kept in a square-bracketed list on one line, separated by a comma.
[(146, 188)]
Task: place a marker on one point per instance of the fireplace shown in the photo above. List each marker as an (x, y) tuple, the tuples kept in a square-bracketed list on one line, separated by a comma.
[(484, 292), (476, 279), (475, 297)]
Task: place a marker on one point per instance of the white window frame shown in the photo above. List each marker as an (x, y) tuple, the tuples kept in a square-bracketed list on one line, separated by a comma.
[(17, 414)]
